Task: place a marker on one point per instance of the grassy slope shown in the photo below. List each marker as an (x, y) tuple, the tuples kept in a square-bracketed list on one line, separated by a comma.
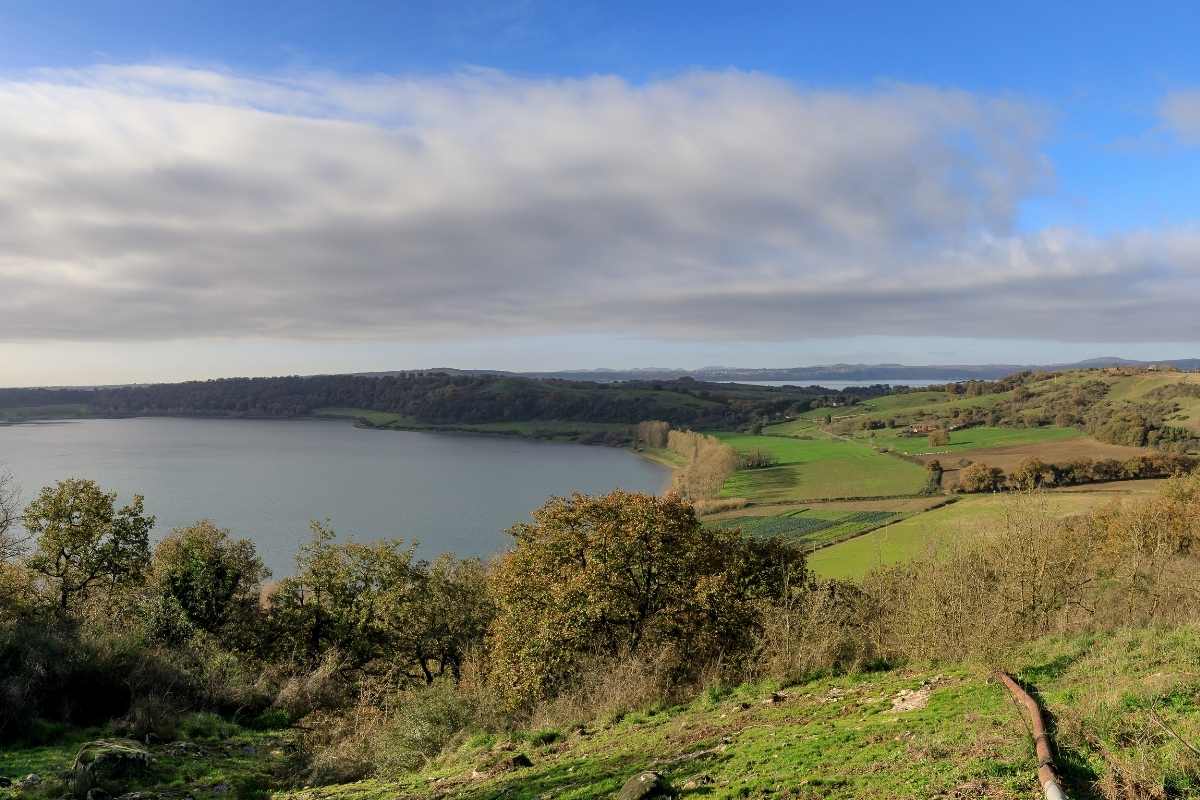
[(836, 738), (819, 467), (917, 534), (839, 738), (970, 439), (833, 738), (1137, 387)]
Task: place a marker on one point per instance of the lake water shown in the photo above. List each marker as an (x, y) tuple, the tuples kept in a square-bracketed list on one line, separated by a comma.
[(266, 479)]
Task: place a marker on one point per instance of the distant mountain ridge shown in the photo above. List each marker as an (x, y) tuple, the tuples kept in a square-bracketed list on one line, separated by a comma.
[(814, 374)]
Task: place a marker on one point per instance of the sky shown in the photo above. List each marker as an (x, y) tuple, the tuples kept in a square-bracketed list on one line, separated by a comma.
[(193, 190)]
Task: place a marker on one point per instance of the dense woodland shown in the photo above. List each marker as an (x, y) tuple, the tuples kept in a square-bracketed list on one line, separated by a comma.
[(448, 399)]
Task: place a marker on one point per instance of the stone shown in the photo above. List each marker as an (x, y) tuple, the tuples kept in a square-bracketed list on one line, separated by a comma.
[(645, 786), (29, 781), (700, 780), (5, 782), (911, 700), (107, 761)]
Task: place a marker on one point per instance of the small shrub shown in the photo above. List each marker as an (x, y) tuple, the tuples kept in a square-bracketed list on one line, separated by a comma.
[(251, 787), (424, 721), (321, 689), (714, 693), (154, 716), (270, 720), (206, 725)]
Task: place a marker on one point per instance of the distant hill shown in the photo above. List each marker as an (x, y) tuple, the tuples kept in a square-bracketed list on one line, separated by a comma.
[(853, 372)]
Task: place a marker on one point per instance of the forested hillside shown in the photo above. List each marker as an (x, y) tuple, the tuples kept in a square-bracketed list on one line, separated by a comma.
[(449, 399)]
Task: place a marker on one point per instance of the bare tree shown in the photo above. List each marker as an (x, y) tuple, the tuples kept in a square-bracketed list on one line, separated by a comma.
[(11, 538)]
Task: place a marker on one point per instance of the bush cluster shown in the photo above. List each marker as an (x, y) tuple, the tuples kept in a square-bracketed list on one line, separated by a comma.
[(602, 606), (1037, 474)]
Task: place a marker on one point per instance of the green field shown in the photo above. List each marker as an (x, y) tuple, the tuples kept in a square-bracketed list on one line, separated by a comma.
[(925, 532), (819, 468), (811, 526), (968, 439)]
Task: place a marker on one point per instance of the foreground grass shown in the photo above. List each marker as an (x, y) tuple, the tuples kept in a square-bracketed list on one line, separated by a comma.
[(844, 737), (1110, 697), (832, 738), (234, 763)]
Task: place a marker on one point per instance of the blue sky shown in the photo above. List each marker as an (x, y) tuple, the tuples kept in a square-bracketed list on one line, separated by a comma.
[(1109, 178)]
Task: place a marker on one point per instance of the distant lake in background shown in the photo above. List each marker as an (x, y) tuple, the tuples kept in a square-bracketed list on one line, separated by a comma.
[(839, 385), (265, 479)]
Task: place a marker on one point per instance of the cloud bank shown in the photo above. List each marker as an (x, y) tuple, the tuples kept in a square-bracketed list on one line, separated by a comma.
[(150, 203)]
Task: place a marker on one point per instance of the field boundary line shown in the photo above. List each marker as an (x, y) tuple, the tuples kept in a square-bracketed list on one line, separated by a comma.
[(899, 518)]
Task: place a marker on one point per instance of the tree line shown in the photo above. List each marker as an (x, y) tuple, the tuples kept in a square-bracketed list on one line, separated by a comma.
[(447, 398), (1037, 474)]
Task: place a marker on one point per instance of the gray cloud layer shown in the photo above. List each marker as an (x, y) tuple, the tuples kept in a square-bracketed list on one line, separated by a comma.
[(155, 202)]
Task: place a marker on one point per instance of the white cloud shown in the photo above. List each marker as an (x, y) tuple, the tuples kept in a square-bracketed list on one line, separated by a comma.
[(151, 202), (1180, 112)]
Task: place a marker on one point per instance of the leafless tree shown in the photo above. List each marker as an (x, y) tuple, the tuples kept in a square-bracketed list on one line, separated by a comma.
[(11, 535)]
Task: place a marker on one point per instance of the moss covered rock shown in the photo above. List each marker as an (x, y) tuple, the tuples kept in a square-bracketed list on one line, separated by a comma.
[(108, 764)]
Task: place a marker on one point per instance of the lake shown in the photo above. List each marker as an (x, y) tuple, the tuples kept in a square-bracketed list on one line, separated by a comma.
[(265, 479)]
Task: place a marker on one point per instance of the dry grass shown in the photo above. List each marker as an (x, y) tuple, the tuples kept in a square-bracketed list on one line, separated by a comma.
[(719, 507)]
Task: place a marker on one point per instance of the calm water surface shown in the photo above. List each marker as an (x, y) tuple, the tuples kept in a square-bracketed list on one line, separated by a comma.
[(266, 479)]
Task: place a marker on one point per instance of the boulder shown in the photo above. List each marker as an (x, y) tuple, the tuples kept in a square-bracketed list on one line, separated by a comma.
[(645, 786), (107, 763), (29, 781), (5, 782)]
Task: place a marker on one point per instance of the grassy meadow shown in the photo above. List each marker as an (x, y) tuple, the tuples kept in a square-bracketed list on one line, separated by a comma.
[(818, 467), (968, 439)]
